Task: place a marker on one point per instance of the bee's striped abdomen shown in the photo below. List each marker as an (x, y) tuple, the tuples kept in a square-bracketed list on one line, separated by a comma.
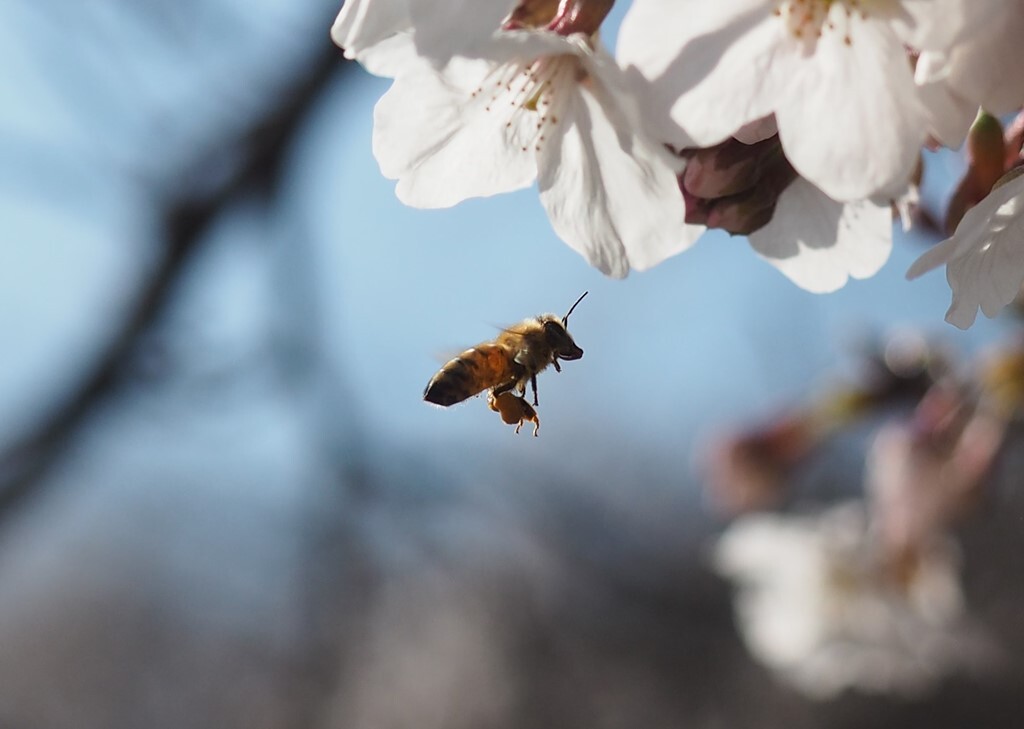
[(473, 371)]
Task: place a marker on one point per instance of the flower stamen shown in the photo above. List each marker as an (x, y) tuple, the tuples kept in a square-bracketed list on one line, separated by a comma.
[(528, 88), (809, 20)]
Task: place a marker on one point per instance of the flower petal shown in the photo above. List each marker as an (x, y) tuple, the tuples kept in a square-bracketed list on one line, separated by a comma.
[(989, 278), (698, 65), (608, 191), (453, 27), (865, 91), (362, 24), (757, 130), (985, 256), (392, 56), (984, 67), (929, 25), (990, 216), (948, 114), (975, 72), (444, 144), (819, 243), (714, 67)]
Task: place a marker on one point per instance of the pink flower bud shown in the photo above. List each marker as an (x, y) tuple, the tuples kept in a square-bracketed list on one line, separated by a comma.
[(696, 208), (564, 17), (531, 14), (735, 186), (580, 16), (730, 167), (986, 150), (743, 213), (986, 163), (1014, 141)]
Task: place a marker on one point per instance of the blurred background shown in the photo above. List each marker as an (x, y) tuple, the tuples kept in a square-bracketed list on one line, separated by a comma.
[(223, 502)]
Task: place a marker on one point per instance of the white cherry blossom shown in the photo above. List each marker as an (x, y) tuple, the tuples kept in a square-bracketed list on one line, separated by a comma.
[(984, 258), (981, 69), (362, 24), (537, 106), (834, 72), (449, 27), (814, 606), (819, 243), (921, 473)]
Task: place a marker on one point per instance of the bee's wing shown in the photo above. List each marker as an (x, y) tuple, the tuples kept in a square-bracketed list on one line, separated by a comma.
[(513, 329), (446, 355)]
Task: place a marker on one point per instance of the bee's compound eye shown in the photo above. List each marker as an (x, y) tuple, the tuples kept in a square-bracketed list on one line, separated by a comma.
[(556, 335), (560, 341), (555, 331)]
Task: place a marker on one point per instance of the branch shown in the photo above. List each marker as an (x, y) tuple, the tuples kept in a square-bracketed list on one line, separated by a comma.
[(265, 145)]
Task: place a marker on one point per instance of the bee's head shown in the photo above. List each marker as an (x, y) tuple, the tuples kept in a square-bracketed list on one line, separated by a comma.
[(557, 334), (560, 340)]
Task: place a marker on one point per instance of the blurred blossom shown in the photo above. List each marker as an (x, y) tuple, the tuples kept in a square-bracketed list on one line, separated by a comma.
[(921, 475), (532, 105), (984, 260), (1001, 377), (903, 364), (748, 471), (713, 67), (814, 606)]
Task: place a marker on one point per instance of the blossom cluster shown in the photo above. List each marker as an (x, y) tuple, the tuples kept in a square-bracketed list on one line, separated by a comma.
[(797, 123), (867, 594)]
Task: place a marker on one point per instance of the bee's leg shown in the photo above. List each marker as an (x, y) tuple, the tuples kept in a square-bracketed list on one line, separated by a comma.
[(514, 381), (500, 389), (558, 367), (518, 427), (533, 383)]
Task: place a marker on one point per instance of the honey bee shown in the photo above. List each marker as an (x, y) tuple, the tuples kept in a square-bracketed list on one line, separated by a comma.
[(516, 357), (514, 410)]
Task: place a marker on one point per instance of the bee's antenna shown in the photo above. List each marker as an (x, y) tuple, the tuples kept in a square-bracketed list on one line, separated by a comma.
[(565, 319)]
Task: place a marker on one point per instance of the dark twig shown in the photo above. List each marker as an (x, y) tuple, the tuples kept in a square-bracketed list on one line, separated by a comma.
[(264, 147)]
